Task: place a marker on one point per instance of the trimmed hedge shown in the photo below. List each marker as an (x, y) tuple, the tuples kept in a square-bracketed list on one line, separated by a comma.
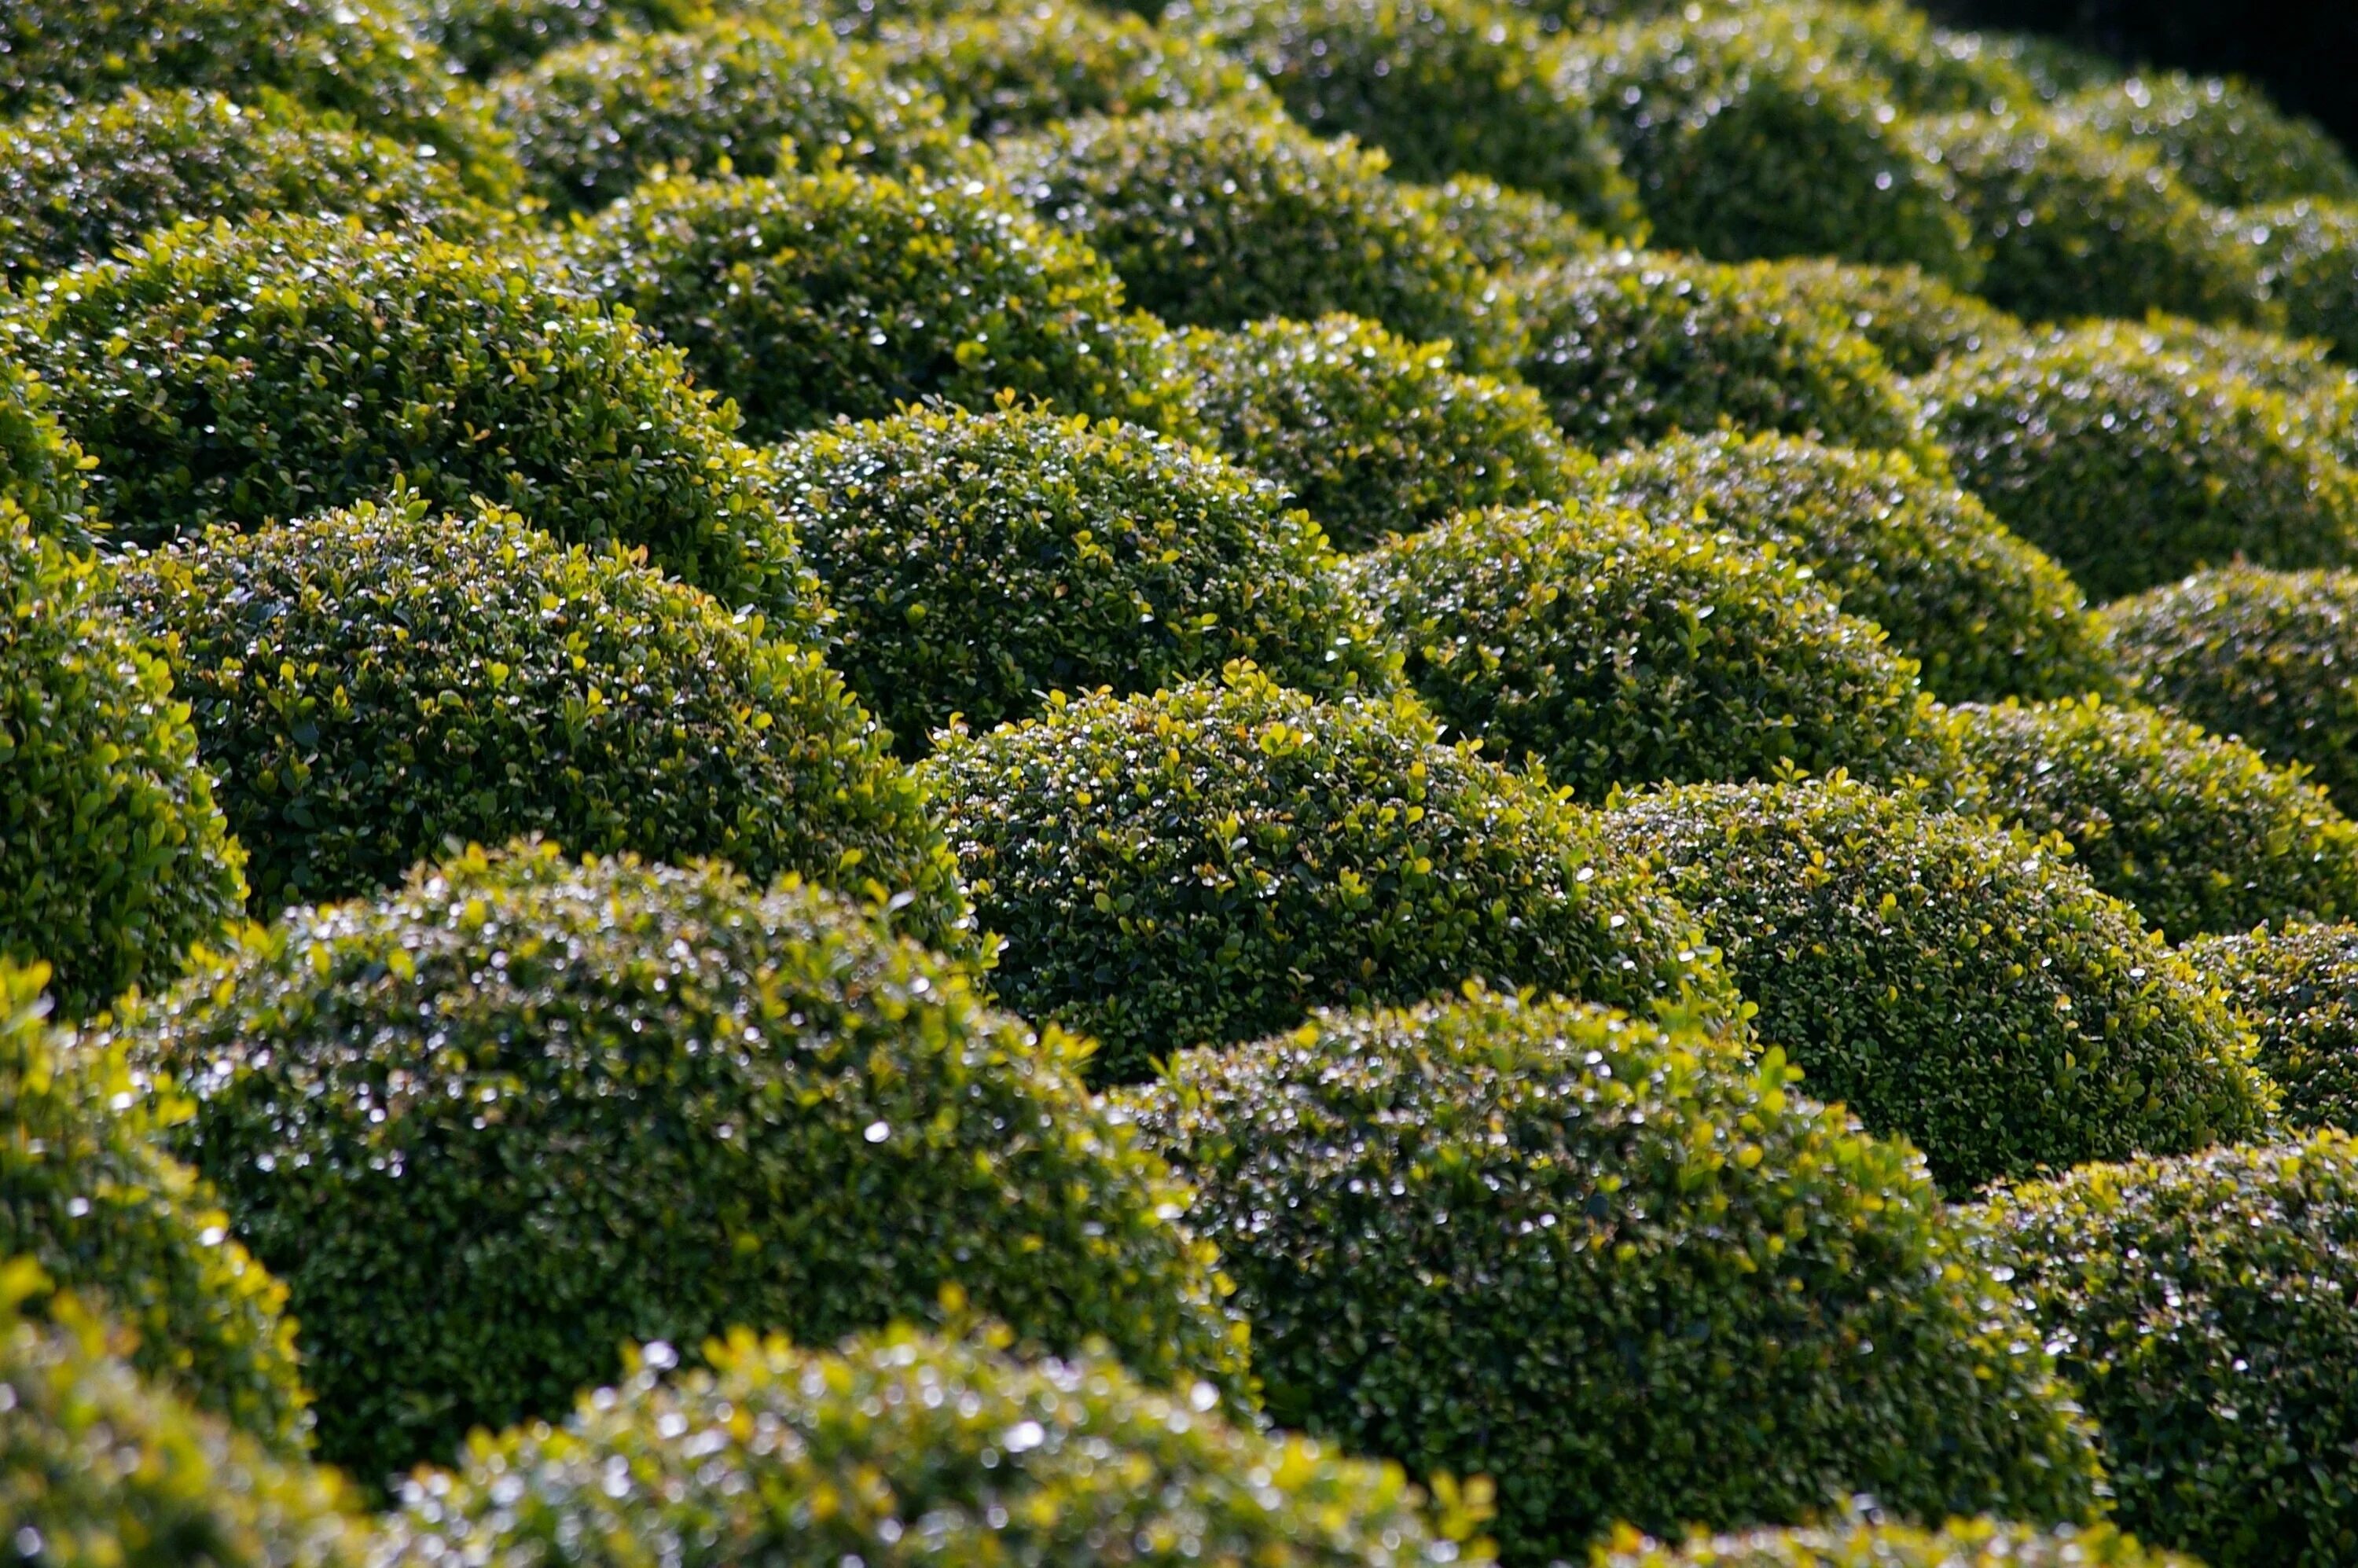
[(1914, 319), (1619, 651), (2308, 262), (2133, 465), (86, 1195), (2295, 986), (113, 859), (1216, 218), (1983, 612), (484, 37), (1950, 980), (1370, 433), (975, 562), (2204, 1306), (41, 468), (2225, 141), (2192, 827), (251, 375), (592, 121), (986, 1458), (1959, 1543), (813, 296), (1617, 1267), (1504, 229), (368, 685), (1206, 865), (485, 1129)]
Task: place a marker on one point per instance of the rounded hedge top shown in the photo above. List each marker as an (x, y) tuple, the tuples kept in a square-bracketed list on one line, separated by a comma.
[(1959, 1543), (812, 296), (1914, 320), (1983, 612), (41, 467), (1214, 219), (1371, 434), (1950, 980), (1505, 229), (2194, 829), (975, 562), (2133, 465), (2202, 1307), (86, 1194), (953, 1451), (591, 121), (494, 1124), (368, 685), (1620, 1269), (117, 861), (2225, 141), (486, 37), (2307, 252), (256, 375), (2296, 985), (1208, 864)]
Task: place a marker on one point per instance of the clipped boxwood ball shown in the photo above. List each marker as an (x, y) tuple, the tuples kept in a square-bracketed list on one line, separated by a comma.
[(1959, 983), (2203, 1308), (817, 295), (1370, 433), (1914, 320), (1984, 613), (1959, 1543), (1616, 1266), (2309, 259), (591, 121), (2224, 140), (113, 859), (2192, 827), (256, 375), (2265, 656), (975, 562), (485, 37), (958, 1452), (496, 1123), (1208, 864), (2133, 466), (1619, 651), (87, 1194), (1216, 218), (41, 468), (370, 685), (2296, 985), (1506, 230)]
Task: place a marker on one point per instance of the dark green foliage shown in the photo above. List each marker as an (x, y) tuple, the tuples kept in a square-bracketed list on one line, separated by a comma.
[(1506, 230), (2308, 262), (1552, 1245), (256, 374), (1372, 434), (2192, 828), (591, 121), (1915, 320), (520, 1111), (86, 1194), (974, 563), (1959, 1543), (368, 685), (985, 1458), (1218, 218), (2296, 985), (2265, 655), (2225, 141), (812, 296), (1619, 651), (487, 36), (1984, 613), (113, 859), (1206, 865), (2131, 464), (1446, 87), (2204, 1306), (1948, 980), (41, 468)]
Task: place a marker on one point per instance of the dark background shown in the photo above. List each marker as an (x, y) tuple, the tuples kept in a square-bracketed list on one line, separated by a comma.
[(2304, 51)]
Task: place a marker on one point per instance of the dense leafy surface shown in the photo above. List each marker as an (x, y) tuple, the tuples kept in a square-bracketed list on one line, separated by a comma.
[(2296, 985), (1960, 1543), (41, 467), (1916, 321)]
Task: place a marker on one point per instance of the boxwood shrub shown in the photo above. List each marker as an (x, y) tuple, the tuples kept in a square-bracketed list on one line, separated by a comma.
[(1622, 651), (1959, 1543), (991, 1458), (86, 1194), (1208, 864), (41, 467), (1914, 320), (2200, 1305), (975, 562), (811, 296), (1505, 229), (484, 37), (1983, 612), (2224, 140), (486, 1130), (2192, 827), (2309, 262), (1370, 433), (1215, 218), (1537, 1241), (1950, 980), (591, 121), (254, 374), (2295, 985), (370, 685), (2133, 466), (116, 859)]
